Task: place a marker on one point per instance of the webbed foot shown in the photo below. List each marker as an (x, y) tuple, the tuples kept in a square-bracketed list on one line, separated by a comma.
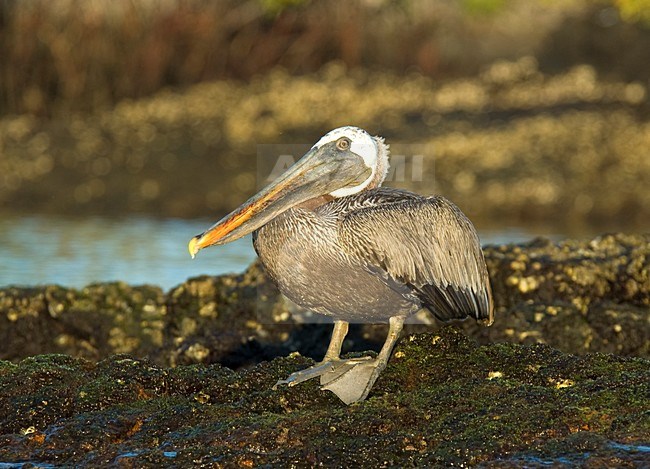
[(353, 384), (328, 370), (351, 379)]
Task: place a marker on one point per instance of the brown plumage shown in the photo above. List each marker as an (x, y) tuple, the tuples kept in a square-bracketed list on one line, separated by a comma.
[(337, 243), (393, 251)]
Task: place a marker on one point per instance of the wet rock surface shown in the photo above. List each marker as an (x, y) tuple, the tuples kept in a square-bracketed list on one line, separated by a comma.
[(442, 401), (196, 385)]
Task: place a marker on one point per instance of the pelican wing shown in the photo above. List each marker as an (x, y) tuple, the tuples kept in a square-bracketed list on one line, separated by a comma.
[(428, 244)]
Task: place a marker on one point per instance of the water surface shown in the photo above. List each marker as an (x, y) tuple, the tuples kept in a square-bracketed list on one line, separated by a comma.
[(75, 252)]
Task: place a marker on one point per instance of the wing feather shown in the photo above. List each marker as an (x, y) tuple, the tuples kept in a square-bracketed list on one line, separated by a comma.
[(426, 243)]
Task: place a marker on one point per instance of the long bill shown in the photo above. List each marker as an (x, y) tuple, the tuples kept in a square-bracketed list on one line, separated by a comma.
[(319, 172)]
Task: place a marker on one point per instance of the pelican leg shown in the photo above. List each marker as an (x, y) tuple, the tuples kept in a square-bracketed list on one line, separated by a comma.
[(351, 379), (330, 361), (354, 383), (336, 342)]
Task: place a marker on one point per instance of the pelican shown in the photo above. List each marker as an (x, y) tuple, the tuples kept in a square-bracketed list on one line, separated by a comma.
[(337, 243)]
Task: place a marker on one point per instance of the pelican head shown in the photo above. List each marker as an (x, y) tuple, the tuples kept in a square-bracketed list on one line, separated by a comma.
[(343, 162)]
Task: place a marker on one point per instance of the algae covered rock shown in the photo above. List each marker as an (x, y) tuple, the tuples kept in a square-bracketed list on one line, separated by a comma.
[(577, 296), (460, 395), (94, 322), (443, 400), (244, 309)]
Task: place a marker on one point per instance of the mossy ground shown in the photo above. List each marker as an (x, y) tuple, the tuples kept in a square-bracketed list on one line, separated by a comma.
[(443, 400)]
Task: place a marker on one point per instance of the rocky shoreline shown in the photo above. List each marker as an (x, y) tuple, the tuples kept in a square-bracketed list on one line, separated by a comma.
[(576, 296), (527, 142), (132, 375)]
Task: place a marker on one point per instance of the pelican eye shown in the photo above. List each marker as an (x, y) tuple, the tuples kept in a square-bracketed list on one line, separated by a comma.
[(343, 143)]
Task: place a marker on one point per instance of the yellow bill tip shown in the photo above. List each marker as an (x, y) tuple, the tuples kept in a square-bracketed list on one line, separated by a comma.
[(192, 246)]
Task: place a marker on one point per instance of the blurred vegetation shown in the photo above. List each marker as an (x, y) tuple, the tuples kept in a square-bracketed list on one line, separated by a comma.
[(483, 6), (539, 106), (635, 10), (81, 55), (563, 149)]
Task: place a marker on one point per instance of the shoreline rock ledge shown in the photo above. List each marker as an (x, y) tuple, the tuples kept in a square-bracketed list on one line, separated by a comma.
[(124, 375)]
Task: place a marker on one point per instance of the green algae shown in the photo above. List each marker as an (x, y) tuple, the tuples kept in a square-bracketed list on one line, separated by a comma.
[(442, 400)]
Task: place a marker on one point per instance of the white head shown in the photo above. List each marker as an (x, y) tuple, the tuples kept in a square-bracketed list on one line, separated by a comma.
[(373, 150)]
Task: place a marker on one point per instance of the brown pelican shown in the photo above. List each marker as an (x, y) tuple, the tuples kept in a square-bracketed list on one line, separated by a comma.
[(336, 243)]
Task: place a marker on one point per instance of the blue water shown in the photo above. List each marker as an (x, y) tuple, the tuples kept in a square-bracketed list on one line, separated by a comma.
[(75, 252)]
